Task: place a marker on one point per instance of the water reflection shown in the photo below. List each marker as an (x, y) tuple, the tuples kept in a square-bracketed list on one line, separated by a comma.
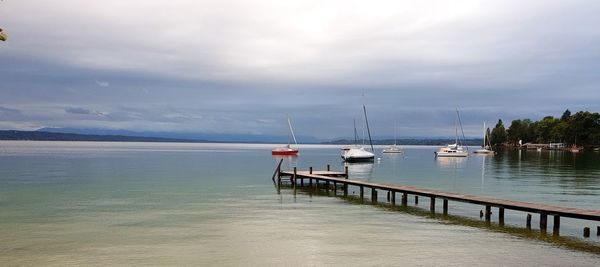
[(289, 161), (450, 162), (360, 170)]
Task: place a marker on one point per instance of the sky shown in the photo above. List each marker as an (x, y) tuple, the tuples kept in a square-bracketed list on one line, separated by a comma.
[(243, 66)]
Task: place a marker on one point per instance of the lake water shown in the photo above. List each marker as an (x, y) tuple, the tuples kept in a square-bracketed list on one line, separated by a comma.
[(102, 203)]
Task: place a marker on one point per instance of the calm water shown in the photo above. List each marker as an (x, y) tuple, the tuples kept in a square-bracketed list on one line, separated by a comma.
[(92, 203)]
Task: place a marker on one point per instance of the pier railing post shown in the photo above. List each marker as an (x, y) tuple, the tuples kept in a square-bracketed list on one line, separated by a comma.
[(328, 167), (310, 170), (346, 172)]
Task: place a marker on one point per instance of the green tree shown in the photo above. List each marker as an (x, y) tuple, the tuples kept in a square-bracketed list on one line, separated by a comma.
[(566, 115), (498, 135)]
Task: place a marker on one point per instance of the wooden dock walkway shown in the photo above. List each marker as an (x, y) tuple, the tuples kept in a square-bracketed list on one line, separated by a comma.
[(330, 179)]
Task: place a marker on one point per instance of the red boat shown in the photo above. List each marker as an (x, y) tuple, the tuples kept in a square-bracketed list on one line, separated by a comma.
[(287, 150)]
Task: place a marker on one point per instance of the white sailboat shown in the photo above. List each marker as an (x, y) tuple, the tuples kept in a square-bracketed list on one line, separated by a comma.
[(358, 153), (486, 148), (456, 149), (393, 148)]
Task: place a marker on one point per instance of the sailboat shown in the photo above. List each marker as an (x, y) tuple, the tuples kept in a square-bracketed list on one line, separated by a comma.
[(486, 148), (393, 148), (456, 149), (287, 150), (358, 153)]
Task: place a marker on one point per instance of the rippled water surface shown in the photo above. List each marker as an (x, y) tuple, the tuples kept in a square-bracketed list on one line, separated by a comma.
[(94, 203)]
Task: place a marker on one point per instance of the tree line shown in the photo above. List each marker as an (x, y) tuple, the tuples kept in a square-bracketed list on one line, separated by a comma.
[(581, 128)]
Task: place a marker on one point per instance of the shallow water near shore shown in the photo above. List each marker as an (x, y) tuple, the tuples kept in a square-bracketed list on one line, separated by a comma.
[(101, 203)]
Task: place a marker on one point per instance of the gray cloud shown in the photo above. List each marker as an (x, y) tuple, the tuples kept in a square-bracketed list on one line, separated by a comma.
[(229, 66)]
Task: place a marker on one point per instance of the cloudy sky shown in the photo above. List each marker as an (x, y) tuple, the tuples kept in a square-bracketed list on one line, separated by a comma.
[(241, 66)]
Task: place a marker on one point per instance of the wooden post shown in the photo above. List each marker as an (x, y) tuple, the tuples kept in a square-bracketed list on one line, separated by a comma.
[(310, 170), (528, 221), (334, 188), (294, 178), (345, 189), (543, 222), (598, 230), (327, 186), (432, 205), (416, 200), (586, 232), (362, 194), (277, 171), (404, 199), (393, 196), (388, 196), (501, 216), (328, 167), (373, 195), (302, 181), (445, 207), (310, 182), (488, 213), (346, 172), (556, 226)]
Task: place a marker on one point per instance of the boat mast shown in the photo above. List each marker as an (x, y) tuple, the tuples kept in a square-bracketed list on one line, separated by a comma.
[(368, 130), (484, 135), (355, 134), (292, 130)]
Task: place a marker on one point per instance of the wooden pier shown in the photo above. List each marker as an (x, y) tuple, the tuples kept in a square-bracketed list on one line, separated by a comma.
[(329, 180)]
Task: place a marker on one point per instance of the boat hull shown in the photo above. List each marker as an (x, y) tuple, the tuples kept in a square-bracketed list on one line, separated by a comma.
[(358, 159), (453, 154), (290, 152)]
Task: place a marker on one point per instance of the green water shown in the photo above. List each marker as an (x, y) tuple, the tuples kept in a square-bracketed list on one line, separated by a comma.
[(87, 203)]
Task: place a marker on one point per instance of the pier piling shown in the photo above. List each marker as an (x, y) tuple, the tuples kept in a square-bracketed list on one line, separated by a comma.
[(488, 214), (373, 195), (586, 232), (404, 199), (556, 226), (393, 197), (416, 200), (445, 207), (543, 222), (528, 221), (362, 194), (432, 205), (501, 216)]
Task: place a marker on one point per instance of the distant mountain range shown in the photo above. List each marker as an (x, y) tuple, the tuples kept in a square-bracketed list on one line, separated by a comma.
[(65, 134), (212, 137)]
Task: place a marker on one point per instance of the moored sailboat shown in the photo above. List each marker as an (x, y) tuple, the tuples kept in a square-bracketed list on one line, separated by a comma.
[(288, 149), (358, 153), (456, 149), (393, 148), (486, 148)]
